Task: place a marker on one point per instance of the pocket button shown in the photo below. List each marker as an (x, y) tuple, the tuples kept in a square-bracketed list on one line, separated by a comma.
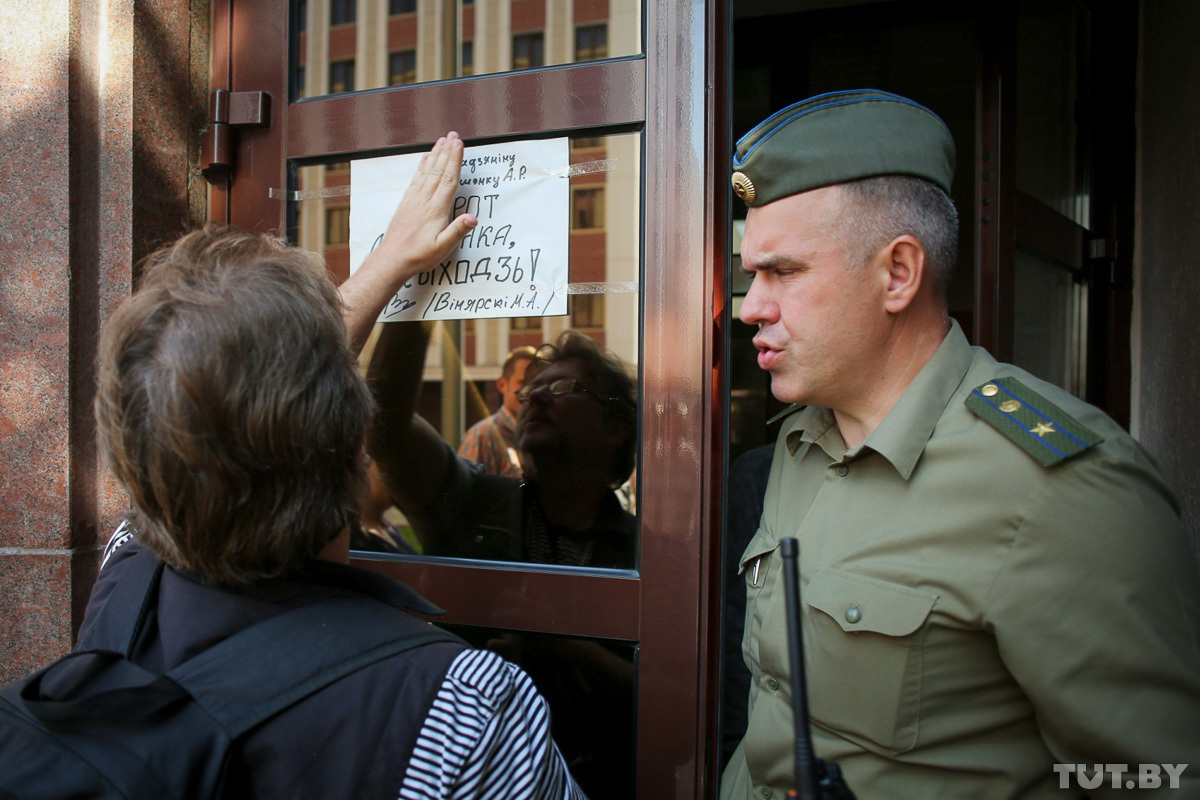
[(853, 615)]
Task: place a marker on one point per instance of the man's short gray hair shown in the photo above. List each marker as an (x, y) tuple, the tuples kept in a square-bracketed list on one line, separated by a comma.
[(874, 211)]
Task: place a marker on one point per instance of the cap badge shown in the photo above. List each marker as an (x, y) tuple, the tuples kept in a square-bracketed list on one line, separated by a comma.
[(743, 187)]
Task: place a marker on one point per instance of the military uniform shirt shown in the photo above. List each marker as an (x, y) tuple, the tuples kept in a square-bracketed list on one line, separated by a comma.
[(970, 617)]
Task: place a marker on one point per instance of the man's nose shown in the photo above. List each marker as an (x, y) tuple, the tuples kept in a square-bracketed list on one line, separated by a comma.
[(757, 307)]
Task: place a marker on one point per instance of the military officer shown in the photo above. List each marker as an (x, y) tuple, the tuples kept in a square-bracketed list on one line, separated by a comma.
[(996, 584)]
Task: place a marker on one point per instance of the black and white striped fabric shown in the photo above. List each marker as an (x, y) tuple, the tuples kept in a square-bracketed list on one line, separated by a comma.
[(487, 735), (122, 535)]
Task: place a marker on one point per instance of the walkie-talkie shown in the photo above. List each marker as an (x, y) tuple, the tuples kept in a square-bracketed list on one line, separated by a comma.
[(815, 779)]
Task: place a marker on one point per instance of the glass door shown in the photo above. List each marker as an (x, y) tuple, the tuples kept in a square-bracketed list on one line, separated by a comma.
[(618, 637)]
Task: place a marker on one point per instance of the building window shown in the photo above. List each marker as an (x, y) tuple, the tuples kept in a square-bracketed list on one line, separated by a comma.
[(342, 11), (301, 15), (591, 42), (468, 58), (587, 208), (402, 67), (587, 143), (528, 51), (525, 323), (341, 76), (337, 225), (402, 7), (587, 311), (300, 82)]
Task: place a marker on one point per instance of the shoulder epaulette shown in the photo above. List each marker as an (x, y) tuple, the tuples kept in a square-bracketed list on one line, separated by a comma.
[(785, 412), (1037, 426)]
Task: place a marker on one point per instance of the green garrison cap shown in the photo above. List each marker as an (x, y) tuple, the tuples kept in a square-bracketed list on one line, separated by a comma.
[(840, 137)]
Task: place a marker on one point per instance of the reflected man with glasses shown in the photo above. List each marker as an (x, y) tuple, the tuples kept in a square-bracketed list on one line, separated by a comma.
[(577, 434)]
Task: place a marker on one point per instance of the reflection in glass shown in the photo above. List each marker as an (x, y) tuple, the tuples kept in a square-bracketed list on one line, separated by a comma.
[(1049, 322), (588, 684), (573, 444), (1052, 148), (378, 43), (466, 378)]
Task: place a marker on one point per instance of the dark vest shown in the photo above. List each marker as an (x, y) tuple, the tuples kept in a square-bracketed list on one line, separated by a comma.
[(351, 739)]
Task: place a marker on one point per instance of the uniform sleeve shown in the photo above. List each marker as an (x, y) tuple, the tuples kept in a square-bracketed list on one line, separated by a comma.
[(487, 735), (1097, 615)]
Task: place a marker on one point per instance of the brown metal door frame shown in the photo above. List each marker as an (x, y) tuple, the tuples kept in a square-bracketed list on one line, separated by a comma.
[(677, 95), (995, 184), (1006, 216)]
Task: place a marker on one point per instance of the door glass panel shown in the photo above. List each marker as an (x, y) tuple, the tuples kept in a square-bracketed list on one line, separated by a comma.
[(349, 45), (553, 479), (1049, 322), (588, 684), (1052, 147)]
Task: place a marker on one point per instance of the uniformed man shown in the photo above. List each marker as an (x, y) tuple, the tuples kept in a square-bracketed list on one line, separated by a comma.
[(996, 585)]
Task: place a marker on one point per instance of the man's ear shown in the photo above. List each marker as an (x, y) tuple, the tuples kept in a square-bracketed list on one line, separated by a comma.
[(905, 262)]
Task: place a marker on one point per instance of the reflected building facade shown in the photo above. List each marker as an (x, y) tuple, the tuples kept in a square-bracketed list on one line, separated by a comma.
[(347, 46)]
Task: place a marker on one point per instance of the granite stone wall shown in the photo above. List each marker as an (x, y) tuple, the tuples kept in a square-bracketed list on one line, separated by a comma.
[(101, 104)]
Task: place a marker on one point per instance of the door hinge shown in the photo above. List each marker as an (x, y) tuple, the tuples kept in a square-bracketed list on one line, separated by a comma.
[(226, 111)]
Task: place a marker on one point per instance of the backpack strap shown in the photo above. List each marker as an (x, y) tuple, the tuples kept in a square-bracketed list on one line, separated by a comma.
[(263, 669)]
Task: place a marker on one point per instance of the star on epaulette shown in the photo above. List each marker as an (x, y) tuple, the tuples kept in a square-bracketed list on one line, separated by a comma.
[(785, 412), (1037, 426)]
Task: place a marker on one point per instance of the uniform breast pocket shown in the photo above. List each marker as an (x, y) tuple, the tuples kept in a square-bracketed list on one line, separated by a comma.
[(863, 640), (754, 566), (755, 559)]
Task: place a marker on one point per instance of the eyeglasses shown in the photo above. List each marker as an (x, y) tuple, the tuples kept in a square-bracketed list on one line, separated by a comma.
[(557, 388)]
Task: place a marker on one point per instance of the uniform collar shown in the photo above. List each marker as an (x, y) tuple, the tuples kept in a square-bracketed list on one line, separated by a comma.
[(904, 432)]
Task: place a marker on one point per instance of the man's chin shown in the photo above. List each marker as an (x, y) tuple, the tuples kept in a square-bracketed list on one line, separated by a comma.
[(786, 391)]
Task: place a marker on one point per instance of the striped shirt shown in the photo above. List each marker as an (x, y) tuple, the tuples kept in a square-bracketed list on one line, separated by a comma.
[(487, 734)]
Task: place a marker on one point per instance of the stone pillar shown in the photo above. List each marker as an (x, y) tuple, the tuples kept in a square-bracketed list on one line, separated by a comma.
[(100, 107)]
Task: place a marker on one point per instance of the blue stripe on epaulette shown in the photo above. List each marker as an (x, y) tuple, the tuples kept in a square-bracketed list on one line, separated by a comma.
[(1025, 402), (1021, 427), (1025, 417)]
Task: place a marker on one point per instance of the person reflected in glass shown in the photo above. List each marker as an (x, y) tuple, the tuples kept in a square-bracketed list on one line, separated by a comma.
[(577, 436), (377, 529), (491, 442)]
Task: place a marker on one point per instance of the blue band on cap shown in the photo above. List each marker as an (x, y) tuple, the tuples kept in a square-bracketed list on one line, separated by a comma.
[(739, 160)]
